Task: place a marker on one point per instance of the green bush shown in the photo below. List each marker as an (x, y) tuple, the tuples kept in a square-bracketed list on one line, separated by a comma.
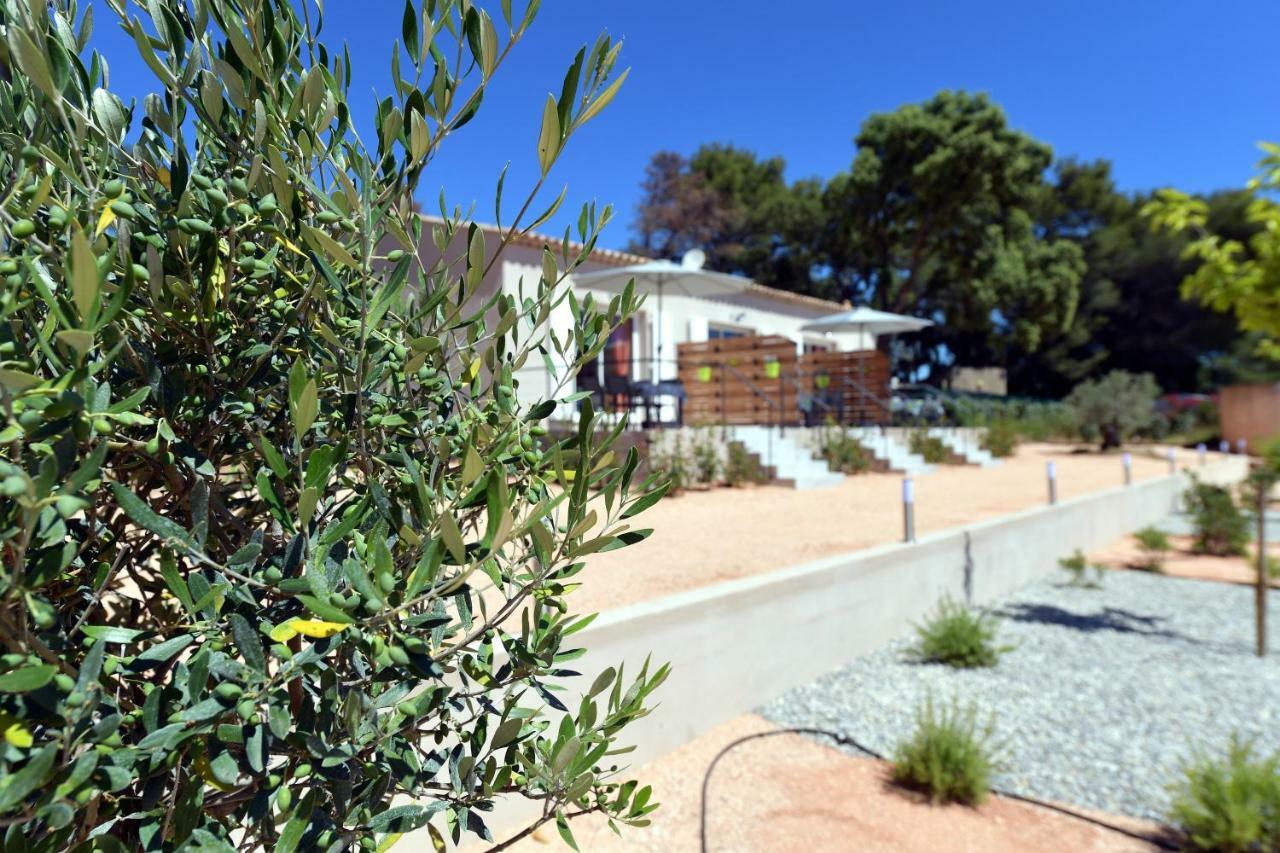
[(1155, 547), (1114, 408), (1000, 439), (260, 455), (1220, 527), (929, 447), (844, 453), (958, 637), (948, 756), (1230, 804), (704, 452), (1078, 565), (742, 467), (669, 460)]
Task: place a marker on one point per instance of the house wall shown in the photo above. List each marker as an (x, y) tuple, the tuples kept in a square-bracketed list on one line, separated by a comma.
[(1250, 412), (684, 318)]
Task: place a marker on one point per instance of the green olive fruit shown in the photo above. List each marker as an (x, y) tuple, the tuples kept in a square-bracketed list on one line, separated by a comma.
[(202, 181), (238, 186), (284, 799), (30, 154), (395, 255), (123, 209), (327, 217), (228, 691), (141, 273), (398, 654), (23, 228), (409, 709), (64, 682), (194, 226), (113, 188), (273, 575), (102, 426)]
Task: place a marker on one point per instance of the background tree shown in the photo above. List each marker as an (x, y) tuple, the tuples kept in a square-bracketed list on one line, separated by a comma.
[(738, 209), (1233, 274), (1112, 409), (932, 219), (278, 547)]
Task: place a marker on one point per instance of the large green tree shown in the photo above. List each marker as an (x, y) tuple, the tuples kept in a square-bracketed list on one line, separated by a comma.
[(737, 208), (933, 219), (1129, 315)]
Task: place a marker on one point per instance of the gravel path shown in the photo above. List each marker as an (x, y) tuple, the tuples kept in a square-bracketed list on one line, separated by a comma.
[(1104, 697)]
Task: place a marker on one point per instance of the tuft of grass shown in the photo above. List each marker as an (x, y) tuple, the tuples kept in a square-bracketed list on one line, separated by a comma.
[(1231, 803), (1155, 547), (958, 637), (1078, 565), (948, 756)]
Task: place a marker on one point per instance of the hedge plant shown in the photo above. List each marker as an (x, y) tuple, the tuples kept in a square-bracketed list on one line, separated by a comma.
[(283, 563)]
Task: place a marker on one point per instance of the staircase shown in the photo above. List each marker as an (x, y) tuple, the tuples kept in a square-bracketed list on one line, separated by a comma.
[(967, 449), (792, 463), (889, 450)]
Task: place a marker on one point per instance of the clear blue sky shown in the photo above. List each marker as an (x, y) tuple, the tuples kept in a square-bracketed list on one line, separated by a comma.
[(1173, 93)]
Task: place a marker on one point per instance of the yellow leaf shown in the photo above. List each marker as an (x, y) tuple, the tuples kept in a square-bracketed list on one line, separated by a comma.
[(18, 735), (206, 772), (290, 246), (474, 370), (316, 628), (163, 175), (104, 221), (282, 633)]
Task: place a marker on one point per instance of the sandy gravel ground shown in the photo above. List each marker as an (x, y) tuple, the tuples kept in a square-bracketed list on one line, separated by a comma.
[(703, 538), (787, 793), (1181, 562)]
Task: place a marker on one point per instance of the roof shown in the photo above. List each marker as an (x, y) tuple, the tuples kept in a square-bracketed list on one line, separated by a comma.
[(616, 258)]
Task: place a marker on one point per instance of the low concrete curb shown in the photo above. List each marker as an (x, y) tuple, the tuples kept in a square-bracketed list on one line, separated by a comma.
[(736, 645)]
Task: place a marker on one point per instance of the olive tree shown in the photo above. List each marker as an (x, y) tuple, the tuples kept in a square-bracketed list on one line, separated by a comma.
[(1113, 408), (283, 563)]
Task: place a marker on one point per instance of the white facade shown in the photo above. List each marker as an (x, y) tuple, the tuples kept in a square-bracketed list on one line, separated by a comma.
[(757, 311)]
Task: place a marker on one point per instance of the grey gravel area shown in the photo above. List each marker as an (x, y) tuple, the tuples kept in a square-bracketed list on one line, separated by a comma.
[(1104, 696)]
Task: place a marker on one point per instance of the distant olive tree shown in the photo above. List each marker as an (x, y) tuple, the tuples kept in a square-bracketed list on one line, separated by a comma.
[(1112, 409), (283, 563)]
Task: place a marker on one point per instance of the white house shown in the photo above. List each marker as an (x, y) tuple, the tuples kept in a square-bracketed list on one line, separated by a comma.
[(758, 310)]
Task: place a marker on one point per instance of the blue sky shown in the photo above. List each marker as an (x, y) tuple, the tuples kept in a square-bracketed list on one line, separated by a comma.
[(1173, 93)]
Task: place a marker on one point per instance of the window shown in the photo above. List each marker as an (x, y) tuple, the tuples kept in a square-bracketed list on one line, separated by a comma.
[(715, 333), (815, 347)]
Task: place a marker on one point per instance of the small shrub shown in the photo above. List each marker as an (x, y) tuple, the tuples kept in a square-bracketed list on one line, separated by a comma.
[(1000, 439), (1078, 565), (844, 453), (1221, 528), (705, 454), (948, 756), (929, 447), (1111, 409), (670, 460), (1155, 547), (742, 467), (958, 637), (1230, 804)]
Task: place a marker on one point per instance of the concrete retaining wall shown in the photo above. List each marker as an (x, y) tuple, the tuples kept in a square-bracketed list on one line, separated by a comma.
[(736, 645)]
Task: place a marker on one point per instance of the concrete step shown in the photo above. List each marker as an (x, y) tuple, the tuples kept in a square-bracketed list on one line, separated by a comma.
[(792, 464)]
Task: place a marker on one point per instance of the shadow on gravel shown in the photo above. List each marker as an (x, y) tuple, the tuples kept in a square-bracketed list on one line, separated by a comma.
[(1107, 619)]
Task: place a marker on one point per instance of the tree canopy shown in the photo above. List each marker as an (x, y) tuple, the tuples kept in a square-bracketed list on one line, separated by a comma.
[(948, 212)]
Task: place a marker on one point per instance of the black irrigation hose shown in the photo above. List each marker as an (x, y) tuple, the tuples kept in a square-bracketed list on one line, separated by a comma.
[(845, 740)]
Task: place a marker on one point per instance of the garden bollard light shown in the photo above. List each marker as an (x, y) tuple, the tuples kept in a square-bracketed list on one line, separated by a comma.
[(1051, 469), (1224, 446), (1173, 460), (1203, 453), (908, 510), (1242, 446), (1127, 461)]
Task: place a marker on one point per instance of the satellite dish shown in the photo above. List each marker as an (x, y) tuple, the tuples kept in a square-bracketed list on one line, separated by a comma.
[(693, 259)]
